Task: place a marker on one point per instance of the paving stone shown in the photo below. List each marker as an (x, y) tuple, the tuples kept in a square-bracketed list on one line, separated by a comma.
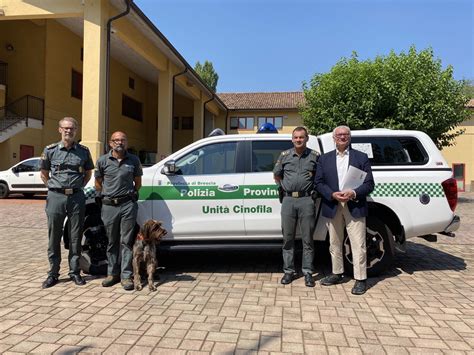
[(424, 305)]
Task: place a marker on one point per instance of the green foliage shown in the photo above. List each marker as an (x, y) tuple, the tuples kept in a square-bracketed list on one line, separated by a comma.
[(208, 74), (398, 91)]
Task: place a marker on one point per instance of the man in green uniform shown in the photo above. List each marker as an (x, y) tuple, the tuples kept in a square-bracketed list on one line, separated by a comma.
[(66, 167), (294, 171), (118, 176)]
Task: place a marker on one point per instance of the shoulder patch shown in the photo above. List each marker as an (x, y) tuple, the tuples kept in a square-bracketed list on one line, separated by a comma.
[(286, 152), (314, 152), (82, 146), (51, 145)]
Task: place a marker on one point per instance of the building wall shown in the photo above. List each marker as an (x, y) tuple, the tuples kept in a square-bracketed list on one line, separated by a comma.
[(463, 153), (25, 76), (141, 134), (183, 107), (45, 71), (291, 119), (26, 60)]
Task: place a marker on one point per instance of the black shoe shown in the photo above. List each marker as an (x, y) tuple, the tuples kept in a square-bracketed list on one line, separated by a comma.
[(360, 287), (77, 279), (111, 280), (127, 284), (287, 278), (308, 280), (49, 282), (332, 279)]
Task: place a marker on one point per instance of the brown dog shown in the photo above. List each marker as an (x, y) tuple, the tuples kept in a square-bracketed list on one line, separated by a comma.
[(144, 251)]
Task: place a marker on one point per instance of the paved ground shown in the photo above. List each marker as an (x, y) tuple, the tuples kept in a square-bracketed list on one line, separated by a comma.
[(234, 303)]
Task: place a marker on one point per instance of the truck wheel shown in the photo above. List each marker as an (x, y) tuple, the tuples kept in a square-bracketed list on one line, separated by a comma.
[(379, 250), (4, 192)]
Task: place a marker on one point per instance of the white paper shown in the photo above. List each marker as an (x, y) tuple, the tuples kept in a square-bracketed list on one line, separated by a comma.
[(364, 148), (353, 179)]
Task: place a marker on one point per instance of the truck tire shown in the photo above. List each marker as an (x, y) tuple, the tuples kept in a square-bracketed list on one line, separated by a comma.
[(4, 192), (379, 249)]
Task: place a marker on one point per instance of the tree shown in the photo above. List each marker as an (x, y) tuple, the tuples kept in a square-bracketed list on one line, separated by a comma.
[(207, 73), (398, 91)]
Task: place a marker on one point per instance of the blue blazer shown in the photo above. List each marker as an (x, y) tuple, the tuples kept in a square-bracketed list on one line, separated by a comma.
[(326, 182)]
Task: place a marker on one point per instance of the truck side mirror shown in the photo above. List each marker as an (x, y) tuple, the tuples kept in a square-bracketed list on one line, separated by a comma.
[(169, 168)]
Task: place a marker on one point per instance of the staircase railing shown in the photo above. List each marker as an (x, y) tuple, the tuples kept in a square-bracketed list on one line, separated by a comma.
[(24, 108)]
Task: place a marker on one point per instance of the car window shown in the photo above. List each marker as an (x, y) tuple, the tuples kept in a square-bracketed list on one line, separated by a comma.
[(265, 154), (218, 158), (28, 166), (391, 150)]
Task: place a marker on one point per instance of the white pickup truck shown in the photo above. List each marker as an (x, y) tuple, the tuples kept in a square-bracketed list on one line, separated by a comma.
[(219, 192)]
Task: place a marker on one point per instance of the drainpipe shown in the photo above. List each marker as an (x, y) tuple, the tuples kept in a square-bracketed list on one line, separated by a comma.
[(172, 104), (204, 112), (107, 72), (227, 111)]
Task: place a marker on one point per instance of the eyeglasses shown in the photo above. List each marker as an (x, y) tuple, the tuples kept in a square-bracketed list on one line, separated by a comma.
[(340, 135), (118, 141), (68, 128)]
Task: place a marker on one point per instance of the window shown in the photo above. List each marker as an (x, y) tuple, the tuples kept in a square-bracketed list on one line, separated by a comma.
[(391, 150), (187, 122), (219, 158), (175, 122), (76, 84), (28, 166), (241, 122), (277, 121), (132, 108), (266, 153), (131, 83)]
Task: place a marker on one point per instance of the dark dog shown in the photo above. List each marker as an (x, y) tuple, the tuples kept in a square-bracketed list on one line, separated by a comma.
[(144, 251)]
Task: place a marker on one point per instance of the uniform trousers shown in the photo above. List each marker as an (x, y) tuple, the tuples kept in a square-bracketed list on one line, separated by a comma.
[(294, 210), (58, 207), (119, 222), (356, 232)]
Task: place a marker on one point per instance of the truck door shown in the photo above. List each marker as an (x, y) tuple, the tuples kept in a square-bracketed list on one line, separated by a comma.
[(202, 199), (261, 204)]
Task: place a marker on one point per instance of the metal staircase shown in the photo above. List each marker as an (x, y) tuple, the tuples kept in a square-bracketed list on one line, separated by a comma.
[(27, 111)]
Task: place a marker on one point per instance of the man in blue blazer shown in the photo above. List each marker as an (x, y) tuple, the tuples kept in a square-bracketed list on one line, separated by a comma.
[(347, 208)]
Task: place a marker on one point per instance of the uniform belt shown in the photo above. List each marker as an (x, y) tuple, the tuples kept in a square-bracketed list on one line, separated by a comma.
[(116, 201), (67, 191), (297, 193)]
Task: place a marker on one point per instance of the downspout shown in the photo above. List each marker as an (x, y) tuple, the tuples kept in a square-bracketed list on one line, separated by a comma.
[(204, 112), (107, 72), (172, 104), (226, 119)]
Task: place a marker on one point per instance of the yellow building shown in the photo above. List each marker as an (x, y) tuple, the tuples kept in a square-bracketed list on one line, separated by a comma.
[(461, 155), (248, 111), (104, 63)]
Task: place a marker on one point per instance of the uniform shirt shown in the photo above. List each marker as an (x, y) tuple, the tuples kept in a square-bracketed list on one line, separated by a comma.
[(118, 176), (342, 164), (66, 166), (297, 172)]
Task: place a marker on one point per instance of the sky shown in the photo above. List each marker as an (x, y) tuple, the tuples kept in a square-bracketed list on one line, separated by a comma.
[(276, 45)]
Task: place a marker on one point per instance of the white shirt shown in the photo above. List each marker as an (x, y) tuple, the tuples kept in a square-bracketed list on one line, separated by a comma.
[(342, 164)]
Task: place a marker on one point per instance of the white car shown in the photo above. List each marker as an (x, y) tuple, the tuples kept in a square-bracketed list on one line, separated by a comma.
[(23, 178), (219, 193)]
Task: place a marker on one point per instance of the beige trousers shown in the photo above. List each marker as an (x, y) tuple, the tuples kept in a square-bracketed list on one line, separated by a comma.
[(356, 232)]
